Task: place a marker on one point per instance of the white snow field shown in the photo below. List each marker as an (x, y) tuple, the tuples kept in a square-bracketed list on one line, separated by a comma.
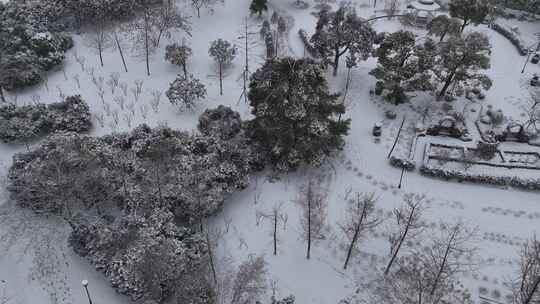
[(37, 266)]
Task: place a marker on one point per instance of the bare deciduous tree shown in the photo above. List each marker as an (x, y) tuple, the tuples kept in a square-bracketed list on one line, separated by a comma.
[(313, 200), (360, 219), (277, 217), (526, 288), (250, 281), (409, 225)]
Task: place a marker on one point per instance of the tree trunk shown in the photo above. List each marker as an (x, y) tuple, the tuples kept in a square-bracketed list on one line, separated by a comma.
[(530, 295), (146, 45), (185, 69), (198, 12), (443, 264), (401, 239), (309, 224), (100, 49), (220, 78), (336, 61), (442, 36), (120, 50), (463, 25), (446, 84), (2, 97), (275, 231), (351, 246), (211, 258)]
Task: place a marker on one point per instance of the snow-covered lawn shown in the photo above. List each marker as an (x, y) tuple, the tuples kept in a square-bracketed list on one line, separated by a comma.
[(37, 263)]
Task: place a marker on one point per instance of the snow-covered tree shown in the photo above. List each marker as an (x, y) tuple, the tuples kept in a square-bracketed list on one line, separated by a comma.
[(442, 25), (167, 17), (469, 11), (409, 225), (223, 53), (250, 281), (179, 55), (459, 60), (340, 32), (185, 91), (359, 221), (312, 198), (295, 114), (526, 288), (198, 4), (222, 122), (258, 7), (400, 63)]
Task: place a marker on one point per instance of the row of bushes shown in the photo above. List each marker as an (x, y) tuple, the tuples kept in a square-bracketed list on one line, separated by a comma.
[(510, 36), (27, 122), (406, 163), (479, 178)]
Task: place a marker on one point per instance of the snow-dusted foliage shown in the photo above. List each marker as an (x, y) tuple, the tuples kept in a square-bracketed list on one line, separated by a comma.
[(460, 59), (136, 201), (340, 32), (223, 52), (179, 55), (287, 300), (185, 91), (295, 114), (442, 25), (26, 122), (32, 41), (470, 11), (402, 64), (258, 7), (148, 256), (222, 122)]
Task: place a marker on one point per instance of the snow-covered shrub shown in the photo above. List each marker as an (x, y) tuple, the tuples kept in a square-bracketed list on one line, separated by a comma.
[(32, 41), (408, 164), (221, 121), (307, 44), (185, 91), (148, 257), (26, 122), (514, 181)]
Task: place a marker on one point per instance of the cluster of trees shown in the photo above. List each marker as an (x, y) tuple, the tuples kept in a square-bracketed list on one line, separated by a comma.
[(23, 123), (137, 201), (453, 62), (32, 41)]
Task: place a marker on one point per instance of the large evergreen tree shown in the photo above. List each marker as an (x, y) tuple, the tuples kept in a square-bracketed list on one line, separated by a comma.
[(460, 58), (470, 11), (442, 25), (340, 32), (295, 114), (402, 64)]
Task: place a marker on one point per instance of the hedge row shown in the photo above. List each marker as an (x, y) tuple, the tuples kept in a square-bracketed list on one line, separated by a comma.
[(408, 164), (513, 181), (510, 36)]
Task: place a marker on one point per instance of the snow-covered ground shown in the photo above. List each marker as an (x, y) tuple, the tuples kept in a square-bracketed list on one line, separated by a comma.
[(36, 266)]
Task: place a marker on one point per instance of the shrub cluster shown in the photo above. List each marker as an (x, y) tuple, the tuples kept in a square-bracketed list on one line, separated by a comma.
[(511, 37), (26, 122)]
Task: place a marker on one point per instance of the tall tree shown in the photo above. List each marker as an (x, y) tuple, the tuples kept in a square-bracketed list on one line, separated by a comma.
[(359, 221), (167, 17), (223, 53), (469, 11), (459, 59), (442, 25), (339, 32), (198, 4), (295, 114), (526, 288), (400, 63), (179, 55), (409, 226), (313, 201)]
